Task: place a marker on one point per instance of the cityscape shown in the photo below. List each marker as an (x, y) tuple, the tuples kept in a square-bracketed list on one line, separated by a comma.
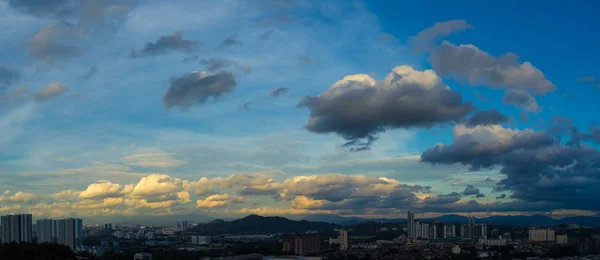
[(410, 238), (299, 129)]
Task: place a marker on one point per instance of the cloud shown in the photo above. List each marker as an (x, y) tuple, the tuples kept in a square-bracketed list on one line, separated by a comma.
[(308, 60), (590, 79), (93, 70), (8, 77), (359, 106), (480, 68), (166, 44), (231, 40), (219, 200), (196, 87), (278, 92), (266, 35), (190, 58), (66, 195), (51, 91), (536, 167), (502, 196), (246, 106), (55, 43), (472, 190), (157, 185), (522, 99), (217, 64), (152, 158), (18, 197), (45, 8), (101, 190), (426, 38), (487, 117)]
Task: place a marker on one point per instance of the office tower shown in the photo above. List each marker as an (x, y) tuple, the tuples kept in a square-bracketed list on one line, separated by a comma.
[(307, 244), (70, 232), (471, 231), (410, 225), (541, 235), (16, 228), (344, 240), (45, 231)]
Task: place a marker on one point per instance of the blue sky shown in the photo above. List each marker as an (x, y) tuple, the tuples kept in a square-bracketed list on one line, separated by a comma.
[(112, 109)]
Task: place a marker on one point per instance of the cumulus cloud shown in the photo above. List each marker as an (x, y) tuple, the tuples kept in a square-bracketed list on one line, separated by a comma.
[(472, 190), (17, 197), (217, 64), (51, 91), (66, 195), (278, 92), (359, 106), (426, 38), (480, 68), (522, 99), (537, 168), (166, 44), (219, 200), (157, 185), (196, 87), (101, 190), (487, 117), (231, 40), (54, 43)]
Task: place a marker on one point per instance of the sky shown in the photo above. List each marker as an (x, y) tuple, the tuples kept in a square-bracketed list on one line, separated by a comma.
[(112, 110)]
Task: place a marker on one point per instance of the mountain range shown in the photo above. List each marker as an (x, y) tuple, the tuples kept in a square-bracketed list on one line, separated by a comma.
[(534, 220)]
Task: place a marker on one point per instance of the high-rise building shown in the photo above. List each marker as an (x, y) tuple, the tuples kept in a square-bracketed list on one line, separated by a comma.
[(471, 231), (449, 231), (562, 239), (464, 231), (479, 230), (422, 230), (70, 232), (16, 228), (541, 235), (495, 233), (410, 225), (45, 231), (433, 232), (344, 240), (307, 244)]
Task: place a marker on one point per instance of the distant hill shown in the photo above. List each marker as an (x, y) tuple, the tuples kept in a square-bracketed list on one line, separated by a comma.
[(254, 224), (534, 220)]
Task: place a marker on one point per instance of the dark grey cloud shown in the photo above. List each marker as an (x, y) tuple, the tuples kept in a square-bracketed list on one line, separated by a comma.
[(76, 25), (358, 106), (538, 168), (278, 92), (217, 64), (358, 145), (245, 106), (472, 190), (166, 44), (308, 60), (93, 70), (487, 117), (190, 58), (266, 35), (426, 38), (502, 196), (467, 62), (231, 40), (8, 77), (563, 126), (196, 87), (522, 99), (444, 198)]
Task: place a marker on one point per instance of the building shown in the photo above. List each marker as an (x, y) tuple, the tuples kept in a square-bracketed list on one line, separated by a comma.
[(344, 239), (201, 240), (449, 231), (506, 236), (492, 242), (16, 228), (456, 250), (45, 231), (287, 247), (464, 231), (562, 239), (70, 232), (410, 225), (307, 245), (495, 233), (541, 235), (479, 230), (471, 231), (433, 232), (142, 256), (422, 230)]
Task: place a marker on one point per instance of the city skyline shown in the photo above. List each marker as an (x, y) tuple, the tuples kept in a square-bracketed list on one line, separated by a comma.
[(134, 110)]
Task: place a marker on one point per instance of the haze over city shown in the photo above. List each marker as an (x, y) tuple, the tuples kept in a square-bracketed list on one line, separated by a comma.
[(121, 111)]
